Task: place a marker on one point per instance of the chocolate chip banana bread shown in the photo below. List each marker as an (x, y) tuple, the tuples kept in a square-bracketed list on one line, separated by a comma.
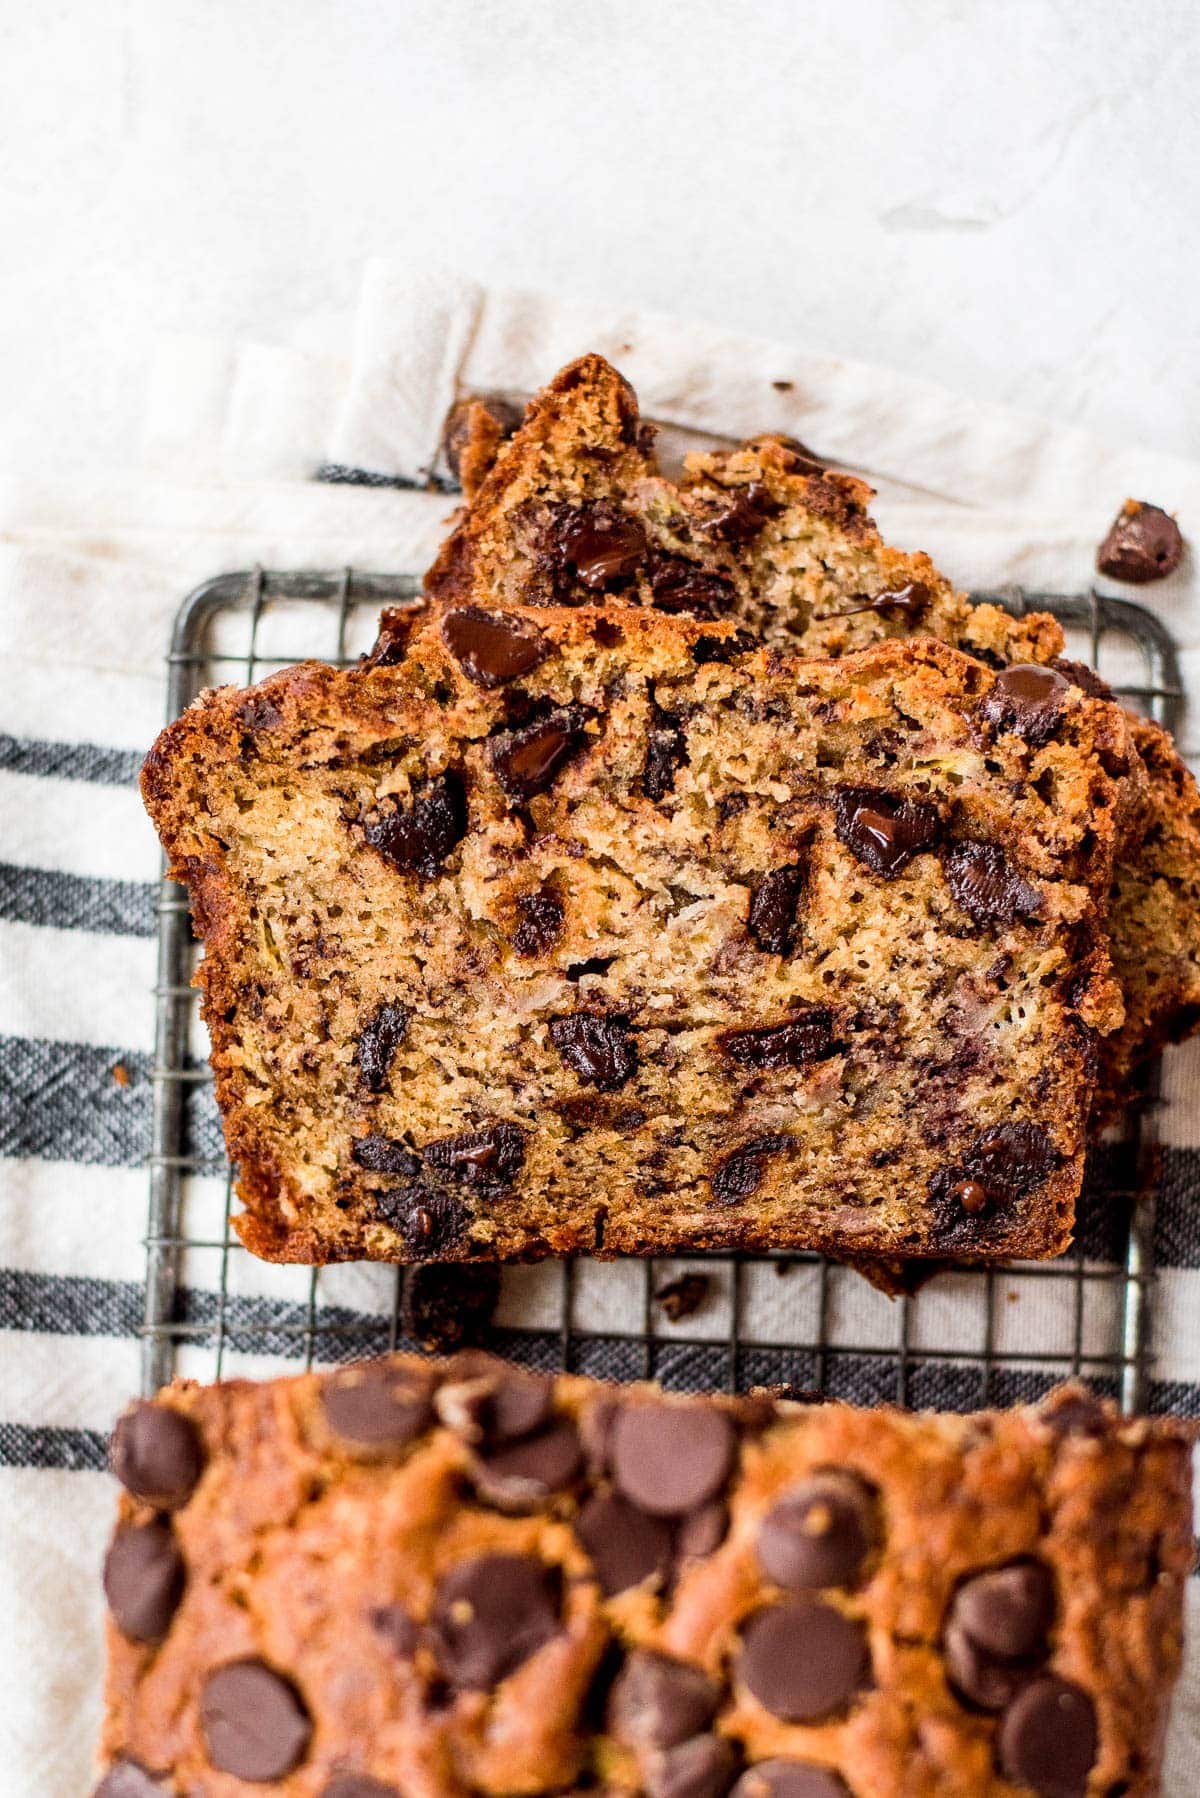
[(598, 935), (576, 509), (436, 1579)]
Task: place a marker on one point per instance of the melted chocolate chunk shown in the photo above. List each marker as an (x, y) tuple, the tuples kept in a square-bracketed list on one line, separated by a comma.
[(1049, 1738), (741, 1173), (1027, 700), (429, 1223), (803, 1661), (450, 1305), (658, 1702), (418, 838), (820, 1534), (625, 1545), (541, 922), (910, 602), (492, 1157), (490, 1614), (597, 543), (987, 886), (722, 649), (773, 902), (804, 1038), (738, 515), (596, 1047), (666, 750), (670, 1458), (789, 1779), (491, 647), (1085, 678), (704, 1767), (144, 1578), (257, 712), (385, 1155), (527, 761), (683, 1297), (883, 830), (254, 1722), (396, 626), (1006, 1160), (156, 1453), (128, 1779), (524, 1475), (475, 428), (682, 586), (1144, 543), (378, 1041), (377, 1404)]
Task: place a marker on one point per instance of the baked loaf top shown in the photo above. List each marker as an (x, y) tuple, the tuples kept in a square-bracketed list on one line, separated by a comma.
[(442, 1579), (599, 935), (575, 509)]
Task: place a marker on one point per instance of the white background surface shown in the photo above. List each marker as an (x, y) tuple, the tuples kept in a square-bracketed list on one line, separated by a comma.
[(1003, 195)]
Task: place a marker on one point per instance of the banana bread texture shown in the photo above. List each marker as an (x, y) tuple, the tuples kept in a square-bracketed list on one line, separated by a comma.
[(575, 509), (434, 1580), (572, 931)]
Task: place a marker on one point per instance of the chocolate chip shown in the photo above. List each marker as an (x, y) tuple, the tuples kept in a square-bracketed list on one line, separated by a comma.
[(156, 1453), (670, 1458), (773, 901), (491, 647), (396, 626), (520, 1403), (704, 1767), (803, 1661), (127, 1779), (257, 712), (971, 1195), (1076, 1411), (702, 1531), (910, 602), (393, 1623), (683, 1297), (1049, 1739), (806, 1037), (541, 922), (1007, 1611), (490, 1614), (491, 1157), (987, 886), (385, 1155), (722, 649), (144, 1577), (883, 830), (977, 1678), (596, 1047), (358, 1785), (377, 1043), (741, 1174), (524, 1475), (1027, 700), (377, 1404), (666, 751), (417, 838), (678, 585), (818, 1535), (658, 1702), (1143, 544), (1085, 678), (789, 1779), (429, 1223), (599, 543), (625, 1545), (254, 1721), (525, 762), (739, 515), (595, 1430), (448, 1305)]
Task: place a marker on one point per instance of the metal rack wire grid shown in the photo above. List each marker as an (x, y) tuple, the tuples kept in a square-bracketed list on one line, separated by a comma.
[(971, 1337)]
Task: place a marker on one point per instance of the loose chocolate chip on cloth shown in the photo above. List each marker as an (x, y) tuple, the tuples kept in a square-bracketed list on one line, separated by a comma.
[(1143, 544)]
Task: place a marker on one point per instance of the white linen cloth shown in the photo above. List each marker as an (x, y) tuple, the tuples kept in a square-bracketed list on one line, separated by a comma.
[(91, 573)]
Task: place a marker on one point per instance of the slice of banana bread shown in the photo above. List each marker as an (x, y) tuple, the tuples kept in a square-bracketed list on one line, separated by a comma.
[(575, 509), (438, 1579), (584, 931)]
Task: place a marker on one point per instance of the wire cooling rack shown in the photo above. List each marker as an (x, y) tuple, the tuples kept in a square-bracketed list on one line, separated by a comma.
[(971, 1337)]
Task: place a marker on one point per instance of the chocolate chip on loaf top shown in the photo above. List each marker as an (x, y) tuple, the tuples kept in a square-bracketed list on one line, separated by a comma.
[(604, 936), (575, 510), (407, 1577)]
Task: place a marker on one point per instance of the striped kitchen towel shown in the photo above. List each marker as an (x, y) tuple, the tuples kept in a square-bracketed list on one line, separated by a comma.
[(323, 450)]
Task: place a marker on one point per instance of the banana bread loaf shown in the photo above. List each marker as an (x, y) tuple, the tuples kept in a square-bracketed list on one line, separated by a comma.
[(598, 933), (442, 1579)]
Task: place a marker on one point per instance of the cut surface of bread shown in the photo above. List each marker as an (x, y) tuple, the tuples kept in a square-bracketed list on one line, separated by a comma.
[(577, 931), (574, 510)]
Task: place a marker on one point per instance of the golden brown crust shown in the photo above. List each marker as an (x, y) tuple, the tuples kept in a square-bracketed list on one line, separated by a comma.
[(324, 1557), (673, 997)]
